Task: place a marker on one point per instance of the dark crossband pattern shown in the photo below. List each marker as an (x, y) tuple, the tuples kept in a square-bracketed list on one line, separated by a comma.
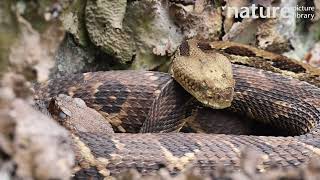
[(154, 102)]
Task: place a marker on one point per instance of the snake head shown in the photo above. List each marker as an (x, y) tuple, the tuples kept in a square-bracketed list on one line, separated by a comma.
[(207, 75), (73, 114)]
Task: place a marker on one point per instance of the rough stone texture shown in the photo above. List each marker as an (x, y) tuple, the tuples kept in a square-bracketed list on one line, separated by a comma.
[(73, 19), (313, 57), (30, 141), (104, 24), (244, 32), (8, 31), (23, 48), (142, 34), (156, 32), (167, 26), (71, 58), (39, 141), (155, 35), (34, 51), (306, 36), (317, 5), (275, 34), (269, 34), (145, 30), (229, 14), (201, 19)]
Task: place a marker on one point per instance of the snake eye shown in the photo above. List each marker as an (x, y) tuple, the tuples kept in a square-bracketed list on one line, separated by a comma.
[(62, 115)]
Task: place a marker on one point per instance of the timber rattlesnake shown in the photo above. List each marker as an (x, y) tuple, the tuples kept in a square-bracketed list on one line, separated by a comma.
[(152, 102)]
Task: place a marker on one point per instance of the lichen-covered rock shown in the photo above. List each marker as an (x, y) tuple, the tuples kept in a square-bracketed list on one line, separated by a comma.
[(244, 32), (313, 57), (104, 25), (154, 33), (71, 58), (167, 24), (202, 19), (141, 34), (40, 14), (8, 31), (144, 34), (273, 34), (73, 19), (25, 46), (149, 61), (317, 11), (38, 142), (33, 53), (143, 31), (33, 146), (229, 14)]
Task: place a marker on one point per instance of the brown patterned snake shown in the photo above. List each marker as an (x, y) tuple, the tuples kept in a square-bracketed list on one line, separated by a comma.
[(141, 101)]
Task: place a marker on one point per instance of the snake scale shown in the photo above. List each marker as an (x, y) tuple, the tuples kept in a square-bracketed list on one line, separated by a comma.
[(153, 102)]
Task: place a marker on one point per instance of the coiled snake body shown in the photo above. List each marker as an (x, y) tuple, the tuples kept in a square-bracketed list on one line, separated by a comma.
[(143, 101)]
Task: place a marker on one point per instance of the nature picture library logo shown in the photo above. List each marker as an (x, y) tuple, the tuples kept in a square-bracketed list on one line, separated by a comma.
[(257, 11)]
